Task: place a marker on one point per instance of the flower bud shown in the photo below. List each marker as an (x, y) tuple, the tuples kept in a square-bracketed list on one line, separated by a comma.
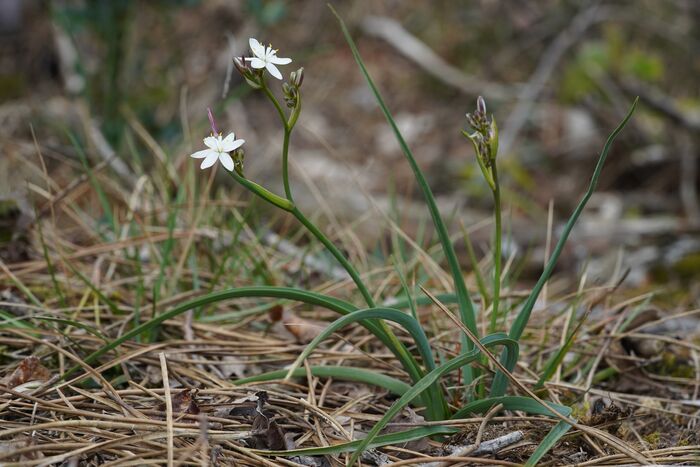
[(241, 65), (297, 77), (251, 76), (291, 94), (214, 131), (493, 139), (238, 155), (481, 105)]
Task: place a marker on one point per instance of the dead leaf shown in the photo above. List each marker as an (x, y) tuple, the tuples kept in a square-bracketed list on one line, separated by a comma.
[(30, 369), (250, 406), (409, 416), (232, 366), (275, 313), (183, 402), (304, 330), (7, 448), (267, 434)]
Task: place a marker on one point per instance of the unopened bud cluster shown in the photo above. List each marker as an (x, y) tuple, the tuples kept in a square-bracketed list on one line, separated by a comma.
[(291, 89), (485, 135), (484, 138), (238, 156), (251, 75)]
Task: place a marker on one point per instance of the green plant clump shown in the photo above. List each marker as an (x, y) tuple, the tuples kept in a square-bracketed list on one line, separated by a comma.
[(423, 369)]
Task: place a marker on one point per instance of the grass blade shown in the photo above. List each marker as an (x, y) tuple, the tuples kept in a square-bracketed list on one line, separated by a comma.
[(429, 379), (466, 307), (548, 443), (435, 401), (287, 293), (345, 373), (524, 404), (383, 440), (500, 382)]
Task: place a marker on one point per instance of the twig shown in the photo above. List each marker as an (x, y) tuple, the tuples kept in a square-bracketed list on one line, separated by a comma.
[(661, 103), (613, 441), (548, 62), (495, 445), (168, 406), (104, 149), (487, 447), (418, 52)]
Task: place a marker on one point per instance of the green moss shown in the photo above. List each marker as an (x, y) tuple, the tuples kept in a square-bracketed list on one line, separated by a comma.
[(688, 267), (652, 439), (670, 366), (580, 411)]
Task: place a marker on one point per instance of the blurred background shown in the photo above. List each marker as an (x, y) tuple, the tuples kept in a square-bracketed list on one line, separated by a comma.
[(130, 82)]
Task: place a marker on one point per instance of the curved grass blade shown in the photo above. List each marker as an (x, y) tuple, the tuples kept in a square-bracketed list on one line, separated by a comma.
[(466, 307), (9, 320), (435, 402), (408, 322), (524, 404), (345, 373), (500, 382), (432, 377), (528, 405), (75, 324), (382, 440), (404, 303), (548, 443), (289, 293)]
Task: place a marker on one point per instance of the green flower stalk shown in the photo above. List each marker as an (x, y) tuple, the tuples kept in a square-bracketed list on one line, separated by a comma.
[(229, 152), (484, 138)]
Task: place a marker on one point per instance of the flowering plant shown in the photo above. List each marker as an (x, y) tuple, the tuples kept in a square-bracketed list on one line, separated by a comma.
[(425, 373)]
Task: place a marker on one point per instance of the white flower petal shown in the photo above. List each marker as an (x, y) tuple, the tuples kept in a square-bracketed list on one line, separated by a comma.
[(229, 145), (229, 137), (255, 62), (274, 71), (210, 160), (201, 154), (210, 142), (237, 144), (280, 61), (226, 161), (257, 48)]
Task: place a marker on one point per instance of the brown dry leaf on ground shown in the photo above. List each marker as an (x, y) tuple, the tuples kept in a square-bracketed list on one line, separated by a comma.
[(8, 448), (183, 402), (303, 330), (29, 369)]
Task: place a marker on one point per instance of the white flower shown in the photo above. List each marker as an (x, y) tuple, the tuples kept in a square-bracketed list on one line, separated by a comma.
[(219, 149), (266, 57)]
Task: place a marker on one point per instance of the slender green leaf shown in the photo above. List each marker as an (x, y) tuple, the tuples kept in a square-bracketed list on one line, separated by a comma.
[(75, 324), (527, 405), (361, 375), (548, 443), (466, 307), (7, 319), (556, 359), (437, 406), (400, 437), (288, 293), (524, 404), (500, 382), (432, 377)]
